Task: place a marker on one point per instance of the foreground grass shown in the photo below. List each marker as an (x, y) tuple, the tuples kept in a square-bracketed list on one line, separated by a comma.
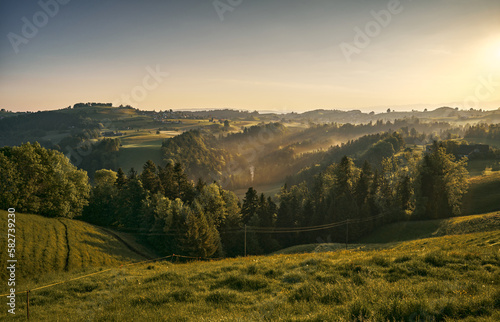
[(50, 246), (443, 278)]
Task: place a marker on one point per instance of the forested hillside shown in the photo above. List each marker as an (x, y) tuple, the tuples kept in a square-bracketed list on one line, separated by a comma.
[(170, 213), (333, 181)]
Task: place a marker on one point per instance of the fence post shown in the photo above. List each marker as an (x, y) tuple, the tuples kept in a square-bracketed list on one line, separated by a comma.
[(245, 240), (347, 233), (28, 304)]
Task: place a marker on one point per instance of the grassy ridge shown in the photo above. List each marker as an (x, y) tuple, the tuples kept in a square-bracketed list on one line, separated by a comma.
[(412, 230), (49, 245), (407, 231), (451, 277), (483, 195)]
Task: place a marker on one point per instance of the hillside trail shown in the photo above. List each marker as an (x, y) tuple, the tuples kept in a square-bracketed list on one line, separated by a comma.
[(130, 247), (66, 264)]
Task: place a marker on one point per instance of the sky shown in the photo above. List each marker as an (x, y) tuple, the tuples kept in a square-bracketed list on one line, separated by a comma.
[(274, 55)]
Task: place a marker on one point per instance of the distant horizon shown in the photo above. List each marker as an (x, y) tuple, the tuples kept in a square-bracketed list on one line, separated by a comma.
[(279, 55), (380, 110)]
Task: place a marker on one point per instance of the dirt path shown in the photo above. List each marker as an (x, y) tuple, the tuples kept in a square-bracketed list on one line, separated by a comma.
[(66, 265), (130, 247)]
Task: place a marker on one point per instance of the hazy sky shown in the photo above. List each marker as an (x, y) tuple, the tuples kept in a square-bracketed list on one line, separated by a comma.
[(280, 55)]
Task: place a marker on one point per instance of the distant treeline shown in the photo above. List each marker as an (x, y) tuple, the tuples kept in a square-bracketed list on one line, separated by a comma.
[(485, 131), (32, 126)]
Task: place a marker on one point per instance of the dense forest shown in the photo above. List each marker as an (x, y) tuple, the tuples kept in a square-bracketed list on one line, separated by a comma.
[(174, 215), (338, 180), (271, 152)]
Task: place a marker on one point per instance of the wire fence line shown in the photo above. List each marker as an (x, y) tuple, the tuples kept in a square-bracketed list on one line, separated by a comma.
[(110, 269), (251, 229), (254, 229)]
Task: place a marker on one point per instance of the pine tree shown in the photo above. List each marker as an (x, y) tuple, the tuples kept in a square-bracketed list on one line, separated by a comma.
[(184, 189), (121, 179), (132, 174), (166, 175), (201, 238), (130, 200), (250, 205), (441, 184), (362, 188), (232, 240), (149, 178)]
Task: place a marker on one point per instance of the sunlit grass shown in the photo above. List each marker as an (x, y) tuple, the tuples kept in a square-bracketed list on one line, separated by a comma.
[(443, 278), (41, 248)]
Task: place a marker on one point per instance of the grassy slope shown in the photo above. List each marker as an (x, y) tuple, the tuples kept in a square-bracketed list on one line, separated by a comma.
[(451, 277), (431, 228), (448, 277), (483, 195), (407, 231), (42, 247)]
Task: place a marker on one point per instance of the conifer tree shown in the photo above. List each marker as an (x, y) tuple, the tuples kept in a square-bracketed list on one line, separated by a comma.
[(149, 178), (250, 205), (201, 238), (441, 184), (121, 179), (166, 175)]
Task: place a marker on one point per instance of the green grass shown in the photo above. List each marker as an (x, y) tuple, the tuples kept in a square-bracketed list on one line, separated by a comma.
[(42, 247), (483, 195), (411, 230), (139, 147), (478, 167), (445, 278), (136, 157), (388, 235)]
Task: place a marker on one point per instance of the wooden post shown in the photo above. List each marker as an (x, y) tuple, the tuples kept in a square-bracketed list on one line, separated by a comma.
[(347, 233), (245, 241), (28, 304)]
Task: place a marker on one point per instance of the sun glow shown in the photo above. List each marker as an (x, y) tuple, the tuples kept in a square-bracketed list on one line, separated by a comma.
[(495, 50), (490, 54)]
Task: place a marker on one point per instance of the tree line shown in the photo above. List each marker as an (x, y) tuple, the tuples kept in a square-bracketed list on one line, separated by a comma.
[(175, 215)]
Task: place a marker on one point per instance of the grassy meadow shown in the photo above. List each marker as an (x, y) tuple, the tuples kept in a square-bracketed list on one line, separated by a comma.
[(49, 246), (483, 195), (447, 278)]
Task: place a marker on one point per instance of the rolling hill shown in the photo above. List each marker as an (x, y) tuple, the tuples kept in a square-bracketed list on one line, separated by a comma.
[(49, 246), (452, 277)]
